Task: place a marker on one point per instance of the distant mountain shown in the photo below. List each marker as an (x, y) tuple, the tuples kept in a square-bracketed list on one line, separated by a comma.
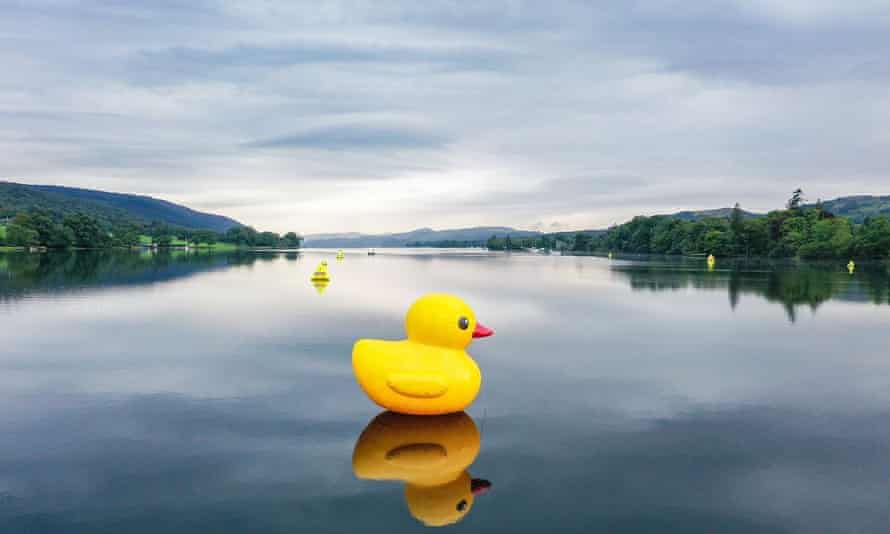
[(477, 234), (113, 207), (858, 207)]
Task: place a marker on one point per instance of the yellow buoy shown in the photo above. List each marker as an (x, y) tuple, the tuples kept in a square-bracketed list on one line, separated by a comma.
[(712, 261), (851, 267), (431, 455), (340, 255), (321, 273)]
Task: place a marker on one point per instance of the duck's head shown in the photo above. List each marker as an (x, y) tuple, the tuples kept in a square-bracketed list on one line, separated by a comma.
[(443, 320), (437, 506)]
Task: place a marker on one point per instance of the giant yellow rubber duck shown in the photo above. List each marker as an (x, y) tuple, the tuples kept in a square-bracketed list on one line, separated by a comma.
[(712, 261), (340, 255), (851, 267), (429, 373), (431, 455)]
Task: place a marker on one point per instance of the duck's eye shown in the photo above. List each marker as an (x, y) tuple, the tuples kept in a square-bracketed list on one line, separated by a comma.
[(463, 323), (462, 505)]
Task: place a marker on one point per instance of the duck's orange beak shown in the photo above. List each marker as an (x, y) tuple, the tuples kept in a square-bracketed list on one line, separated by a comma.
[(479, 486), (482, 331)]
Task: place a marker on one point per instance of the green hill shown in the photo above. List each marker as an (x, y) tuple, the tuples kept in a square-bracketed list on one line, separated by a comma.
[(114, 208), (857, 208), (719, 213)]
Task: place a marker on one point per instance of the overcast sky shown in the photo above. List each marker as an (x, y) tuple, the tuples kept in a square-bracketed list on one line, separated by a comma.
[(387, 116)]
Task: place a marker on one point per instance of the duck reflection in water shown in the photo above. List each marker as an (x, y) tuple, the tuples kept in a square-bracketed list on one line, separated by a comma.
[(431, 454)]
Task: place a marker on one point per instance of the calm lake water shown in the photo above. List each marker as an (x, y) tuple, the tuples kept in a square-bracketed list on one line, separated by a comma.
[(214, 393)]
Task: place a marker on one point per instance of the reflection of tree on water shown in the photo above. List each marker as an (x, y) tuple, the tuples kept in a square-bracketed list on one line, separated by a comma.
[(63, 271), (790, 285)]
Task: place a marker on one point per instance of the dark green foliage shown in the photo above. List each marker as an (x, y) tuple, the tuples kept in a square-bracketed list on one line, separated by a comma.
[(86, 231), (47, 228), (582, 243), (21, 236), (205, 237), (508, 243), (291, 240), (128, 238), (243, 236), (267, 239), (872, 238), (446, 243), (812, 233)]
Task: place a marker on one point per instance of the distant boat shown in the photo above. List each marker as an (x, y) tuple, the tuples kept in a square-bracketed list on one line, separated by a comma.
[(371, 252)]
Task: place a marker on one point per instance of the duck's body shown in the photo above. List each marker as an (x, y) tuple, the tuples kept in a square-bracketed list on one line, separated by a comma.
[(429, 373), (413, 378)]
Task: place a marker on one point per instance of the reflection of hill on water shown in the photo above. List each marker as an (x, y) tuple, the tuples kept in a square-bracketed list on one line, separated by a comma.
[(790, 285), (22, 274)]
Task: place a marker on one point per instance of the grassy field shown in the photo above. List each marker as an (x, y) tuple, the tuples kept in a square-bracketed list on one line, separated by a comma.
[(146, 240), (177, 242), (3, 237)]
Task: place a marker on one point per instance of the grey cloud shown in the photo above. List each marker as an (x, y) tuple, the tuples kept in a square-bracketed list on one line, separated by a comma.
[(184, 63), (355, 137)]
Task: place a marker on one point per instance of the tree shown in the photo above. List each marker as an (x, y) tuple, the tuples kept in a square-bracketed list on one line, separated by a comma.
[(266, 239), (794, 203), (872, 239), (737, 225), (582, 242), (756, 237), (244, 236), (21, 236), (86, 231), (292, 240), (129, 238), (717, 242), (494, 243)]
